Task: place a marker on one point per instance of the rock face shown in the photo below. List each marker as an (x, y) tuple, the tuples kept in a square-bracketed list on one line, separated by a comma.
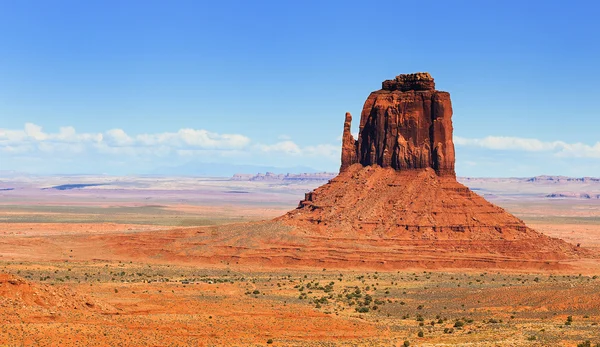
[(405, 125), (349, 145), (419, 209), (397, 192)]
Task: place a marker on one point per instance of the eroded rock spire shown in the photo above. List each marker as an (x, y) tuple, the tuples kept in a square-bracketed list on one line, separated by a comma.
[(348, 144), (405, 125)]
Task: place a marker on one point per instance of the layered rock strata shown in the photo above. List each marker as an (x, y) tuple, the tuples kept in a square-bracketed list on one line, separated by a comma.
[(397, 184), (407, 124)]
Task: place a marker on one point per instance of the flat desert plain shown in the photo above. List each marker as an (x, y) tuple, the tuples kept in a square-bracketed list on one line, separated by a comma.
[(112, 262)]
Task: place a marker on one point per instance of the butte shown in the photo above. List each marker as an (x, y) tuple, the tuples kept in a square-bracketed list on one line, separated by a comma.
[(395, 204), (396, 200)]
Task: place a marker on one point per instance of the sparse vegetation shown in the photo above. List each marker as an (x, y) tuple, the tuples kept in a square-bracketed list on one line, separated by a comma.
[(588, 343), (394, 299)]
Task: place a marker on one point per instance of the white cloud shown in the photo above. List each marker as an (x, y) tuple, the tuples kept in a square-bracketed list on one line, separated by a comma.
[(287, 147), (185, 144), (118, 137), (33, 136), (558, 148), (325, 150), (11, 137), (35, 132), (59, 147), (18, 149), (206, 139), (184, 138)]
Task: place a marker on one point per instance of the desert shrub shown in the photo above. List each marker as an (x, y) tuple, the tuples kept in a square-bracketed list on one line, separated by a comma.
[(406, 343), (420, 334), (362, 309), (269, 341), (459, 324)]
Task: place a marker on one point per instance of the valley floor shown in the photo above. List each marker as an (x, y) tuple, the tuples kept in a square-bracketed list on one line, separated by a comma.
[(102, 272), (137, 304)]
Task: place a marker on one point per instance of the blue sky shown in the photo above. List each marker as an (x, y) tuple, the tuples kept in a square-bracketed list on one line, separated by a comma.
[(125, 87)]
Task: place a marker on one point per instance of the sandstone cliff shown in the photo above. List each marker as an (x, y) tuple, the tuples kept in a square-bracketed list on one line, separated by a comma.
[(397, 185), (405, 125)]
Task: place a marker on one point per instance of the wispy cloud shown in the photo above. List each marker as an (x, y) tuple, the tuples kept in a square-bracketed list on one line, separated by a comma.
[(558, 148), (287, 147), (32, 140)]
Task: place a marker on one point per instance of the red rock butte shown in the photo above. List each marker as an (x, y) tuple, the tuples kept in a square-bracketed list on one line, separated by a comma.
[(395, 204), (405, 125), (397, 187)]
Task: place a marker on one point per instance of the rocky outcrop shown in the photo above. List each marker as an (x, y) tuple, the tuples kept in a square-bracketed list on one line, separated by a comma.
[(349, 144), (415, 81), (397, 186), (405, 125), (417, 206)]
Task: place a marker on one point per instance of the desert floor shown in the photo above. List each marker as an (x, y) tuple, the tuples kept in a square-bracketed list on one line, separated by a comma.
[(75, 271)]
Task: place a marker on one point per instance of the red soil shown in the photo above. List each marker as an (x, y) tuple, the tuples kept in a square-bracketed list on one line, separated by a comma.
[(158, 314)]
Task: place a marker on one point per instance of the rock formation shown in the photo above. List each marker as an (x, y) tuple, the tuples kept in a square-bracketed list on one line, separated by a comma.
[(397, 185), (349, 145), (405, 125)]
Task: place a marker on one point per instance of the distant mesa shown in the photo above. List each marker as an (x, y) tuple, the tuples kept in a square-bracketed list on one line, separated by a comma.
[(574, 195), (269, 176), (563, 179)]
